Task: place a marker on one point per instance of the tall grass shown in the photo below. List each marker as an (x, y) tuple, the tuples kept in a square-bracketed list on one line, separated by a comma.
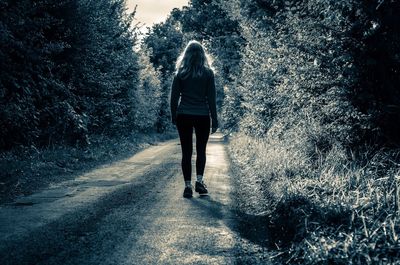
[(333, 209)]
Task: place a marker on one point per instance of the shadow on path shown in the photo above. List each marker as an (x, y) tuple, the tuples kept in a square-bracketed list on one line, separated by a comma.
[(76, 237), (293, 218), (251, 227)]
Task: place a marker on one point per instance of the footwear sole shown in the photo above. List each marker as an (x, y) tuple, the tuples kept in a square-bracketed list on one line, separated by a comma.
[(201, 193)]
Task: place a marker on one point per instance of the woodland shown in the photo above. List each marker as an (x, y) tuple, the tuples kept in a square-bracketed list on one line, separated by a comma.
[(308, 94)]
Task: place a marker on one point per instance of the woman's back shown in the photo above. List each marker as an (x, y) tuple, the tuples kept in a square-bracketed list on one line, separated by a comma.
[(196, 93)]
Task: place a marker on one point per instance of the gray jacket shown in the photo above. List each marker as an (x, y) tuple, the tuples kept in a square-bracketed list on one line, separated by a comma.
[(197, 94)]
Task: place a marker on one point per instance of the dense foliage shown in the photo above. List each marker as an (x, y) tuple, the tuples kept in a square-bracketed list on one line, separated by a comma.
[(164, 43), (378, 61), (68, 70), (328, 69), (313, 105)]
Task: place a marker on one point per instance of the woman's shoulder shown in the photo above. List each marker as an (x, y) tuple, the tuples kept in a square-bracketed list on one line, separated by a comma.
[(178, 75), (209, 73)]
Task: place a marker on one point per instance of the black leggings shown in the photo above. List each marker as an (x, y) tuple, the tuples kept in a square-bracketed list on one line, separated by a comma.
[(185, 124)]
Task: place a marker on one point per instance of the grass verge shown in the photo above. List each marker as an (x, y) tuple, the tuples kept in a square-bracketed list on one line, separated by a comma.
[(334, 211)]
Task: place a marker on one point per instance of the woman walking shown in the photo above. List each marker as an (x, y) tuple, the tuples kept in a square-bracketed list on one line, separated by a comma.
[(194, 85)]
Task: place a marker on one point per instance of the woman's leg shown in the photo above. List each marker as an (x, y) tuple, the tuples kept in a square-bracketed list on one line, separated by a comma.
[(202, 130), (185, 130)]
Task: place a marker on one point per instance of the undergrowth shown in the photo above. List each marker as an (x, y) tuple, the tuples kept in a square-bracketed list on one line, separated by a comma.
[(336, 209)]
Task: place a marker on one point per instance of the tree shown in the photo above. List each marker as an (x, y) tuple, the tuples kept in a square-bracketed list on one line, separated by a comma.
[(104, 65), (31, 36), (148, 95), (377, 58), (68, 70), (164, 42)]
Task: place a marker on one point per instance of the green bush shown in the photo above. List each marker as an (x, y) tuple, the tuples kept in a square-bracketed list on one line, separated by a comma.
[(309, 140), (69, 71)]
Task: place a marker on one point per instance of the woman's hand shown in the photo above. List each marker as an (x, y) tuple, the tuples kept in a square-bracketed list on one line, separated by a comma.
[(214, 125)]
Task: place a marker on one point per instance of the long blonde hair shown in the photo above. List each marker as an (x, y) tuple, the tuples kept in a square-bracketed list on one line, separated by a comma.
[(193, 61)]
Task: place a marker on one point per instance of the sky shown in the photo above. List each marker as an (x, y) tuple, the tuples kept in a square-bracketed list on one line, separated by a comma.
[(149, 12)]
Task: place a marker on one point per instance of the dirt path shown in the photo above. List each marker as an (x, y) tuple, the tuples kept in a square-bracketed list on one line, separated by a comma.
[(131, 212)]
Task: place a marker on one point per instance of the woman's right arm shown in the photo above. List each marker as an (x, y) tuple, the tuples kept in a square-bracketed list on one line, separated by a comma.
[(175, 93), (211, 96)]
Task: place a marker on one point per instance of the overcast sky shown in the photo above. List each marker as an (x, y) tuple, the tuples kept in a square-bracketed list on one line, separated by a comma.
[(149, 12)]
